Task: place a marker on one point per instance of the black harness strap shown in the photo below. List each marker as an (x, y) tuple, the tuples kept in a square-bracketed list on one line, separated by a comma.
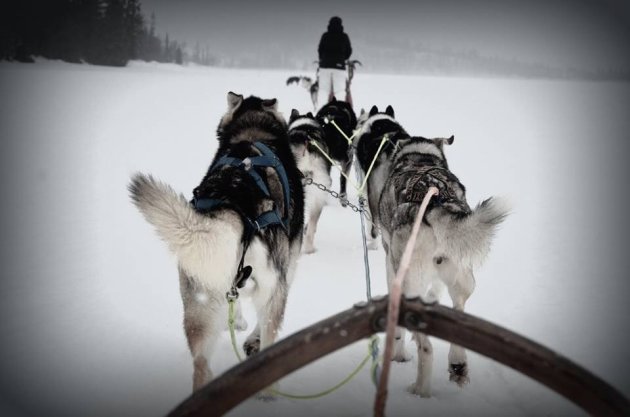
[(266, 160)]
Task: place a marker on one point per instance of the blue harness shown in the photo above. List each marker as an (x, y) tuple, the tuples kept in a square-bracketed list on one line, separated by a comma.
[(267, 159)]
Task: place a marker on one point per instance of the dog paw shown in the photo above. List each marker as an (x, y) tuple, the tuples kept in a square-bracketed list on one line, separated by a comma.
[(458, 373), (401, 357), (268, 394), (309, 249), (415, 389), (252, 346)]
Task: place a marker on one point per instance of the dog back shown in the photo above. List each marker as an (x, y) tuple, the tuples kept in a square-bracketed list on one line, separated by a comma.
[(343, 116)]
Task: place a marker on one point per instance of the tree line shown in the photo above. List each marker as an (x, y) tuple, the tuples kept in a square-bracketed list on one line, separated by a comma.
[(100, 32)]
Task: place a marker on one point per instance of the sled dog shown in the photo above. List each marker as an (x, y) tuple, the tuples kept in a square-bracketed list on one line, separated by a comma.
[(373, 128), (246, 217), (306, 137), (308, 84), (340, 151), (453, 240)]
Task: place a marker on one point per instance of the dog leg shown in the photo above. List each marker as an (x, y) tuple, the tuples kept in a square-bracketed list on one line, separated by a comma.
[(202, 325), (270, 317), (314, 214), (400, 353), (345, 170), (252, 343), (270, 301), (240, 323), (373, 205), (459, 290), (422, 386), (294, 254)]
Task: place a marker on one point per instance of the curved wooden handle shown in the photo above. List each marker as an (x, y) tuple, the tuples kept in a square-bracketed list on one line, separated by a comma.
[(532, 359)]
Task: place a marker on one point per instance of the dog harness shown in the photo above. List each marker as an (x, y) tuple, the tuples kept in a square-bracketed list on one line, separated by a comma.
[(267, 160), (413, 185)]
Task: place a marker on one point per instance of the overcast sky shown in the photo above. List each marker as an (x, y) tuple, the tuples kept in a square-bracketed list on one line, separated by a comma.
[(587, 34)]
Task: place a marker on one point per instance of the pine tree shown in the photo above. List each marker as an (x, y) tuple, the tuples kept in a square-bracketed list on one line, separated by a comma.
[(103, 32), (179, 58), (134, 26), (166, 51)]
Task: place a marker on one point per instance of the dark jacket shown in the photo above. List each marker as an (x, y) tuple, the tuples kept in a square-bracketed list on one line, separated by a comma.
[(334, 47)]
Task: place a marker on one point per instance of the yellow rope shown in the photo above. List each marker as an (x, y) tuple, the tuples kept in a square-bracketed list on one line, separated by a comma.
[(369, 171), (367, 175), (334, 163)]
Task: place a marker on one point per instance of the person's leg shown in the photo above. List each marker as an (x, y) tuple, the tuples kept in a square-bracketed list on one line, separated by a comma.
[(339, 79), (325, 86)]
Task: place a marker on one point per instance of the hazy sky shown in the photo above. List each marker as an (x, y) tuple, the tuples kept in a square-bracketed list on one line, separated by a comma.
[(579, 33)]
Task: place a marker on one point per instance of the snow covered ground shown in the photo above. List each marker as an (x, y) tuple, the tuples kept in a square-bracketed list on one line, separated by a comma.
[(91, 313)]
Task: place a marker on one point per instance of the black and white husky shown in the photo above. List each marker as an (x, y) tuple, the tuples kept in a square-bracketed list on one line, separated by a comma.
[(248, 210), (372, 129), (307, 141), (341, 114), (453, 240)]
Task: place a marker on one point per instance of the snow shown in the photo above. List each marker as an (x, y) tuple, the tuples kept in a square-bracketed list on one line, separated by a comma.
[(91, 312)]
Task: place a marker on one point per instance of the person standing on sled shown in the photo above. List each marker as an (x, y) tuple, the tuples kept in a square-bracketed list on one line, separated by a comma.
[(334, 50)]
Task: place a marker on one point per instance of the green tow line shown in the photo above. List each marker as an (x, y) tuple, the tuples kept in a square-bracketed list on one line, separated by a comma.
[(372, 353), (373, 344)]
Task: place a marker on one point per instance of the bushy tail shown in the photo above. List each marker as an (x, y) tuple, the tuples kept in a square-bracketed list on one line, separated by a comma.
[(205, 247), (469, 238)]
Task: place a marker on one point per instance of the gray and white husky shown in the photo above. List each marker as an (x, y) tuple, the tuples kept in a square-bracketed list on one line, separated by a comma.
[(210, 234), (307, 141), (372, 128), (452, 242)]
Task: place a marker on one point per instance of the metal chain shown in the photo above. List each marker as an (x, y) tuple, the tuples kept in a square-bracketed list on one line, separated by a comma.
[(335, 194)]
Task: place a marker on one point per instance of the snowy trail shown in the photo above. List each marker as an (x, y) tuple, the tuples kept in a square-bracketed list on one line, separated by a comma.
[(91, 312)]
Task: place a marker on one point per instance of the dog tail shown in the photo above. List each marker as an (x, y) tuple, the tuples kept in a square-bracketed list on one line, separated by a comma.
[(469, 238), (205, 247)]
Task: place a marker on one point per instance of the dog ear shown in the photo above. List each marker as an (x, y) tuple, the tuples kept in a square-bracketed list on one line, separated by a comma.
[(309, 114), (441, 141), (362, 111), (294, 115), (270, 104), (234, 100), (389, 111), (373, 111), (334, 99), (402, 143)]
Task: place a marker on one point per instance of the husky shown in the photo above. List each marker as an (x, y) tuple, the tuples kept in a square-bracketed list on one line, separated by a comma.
[(313, 86), (306, 138), (452, 242), (307, 83), (341, 113), (372, 129), (246, 217)]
